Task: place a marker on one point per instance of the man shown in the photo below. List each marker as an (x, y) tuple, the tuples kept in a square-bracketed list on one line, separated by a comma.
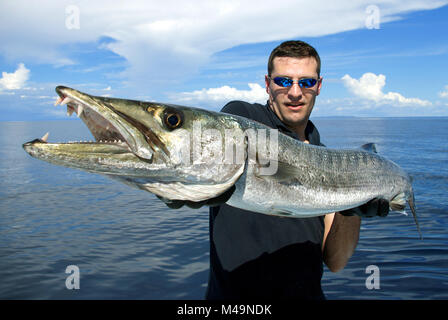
[(254, 255), (260, 256)]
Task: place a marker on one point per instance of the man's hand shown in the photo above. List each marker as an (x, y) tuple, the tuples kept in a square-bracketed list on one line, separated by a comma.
[(176, 204), (373, 208)]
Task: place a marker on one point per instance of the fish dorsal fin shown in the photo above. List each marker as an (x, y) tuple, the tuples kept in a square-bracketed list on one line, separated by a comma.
[(370, 147)]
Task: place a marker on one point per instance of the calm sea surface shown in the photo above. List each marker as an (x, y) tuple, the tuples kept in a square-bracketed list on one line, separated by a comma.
[(128, 245)]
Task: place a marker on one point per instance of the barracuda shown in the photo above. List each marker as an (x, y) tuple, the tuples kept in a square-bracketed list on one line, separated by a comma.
[(183, 153)]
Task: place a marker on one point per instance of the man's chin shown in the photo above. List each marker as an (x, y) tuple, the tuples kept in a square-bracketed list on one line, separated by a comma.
[(293, 115), (296, 117)]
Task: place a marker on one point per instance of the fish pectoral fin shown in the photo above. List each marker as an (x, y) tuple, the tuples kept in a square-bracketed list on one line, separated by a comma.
[(370, 147), (278, 171), (221, 199), (189, 192), (398, 203), (212, 193)]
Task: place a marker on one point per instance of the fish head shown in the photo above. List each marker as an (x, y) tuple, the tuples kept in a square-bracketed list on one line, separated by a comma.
[(153, 146)]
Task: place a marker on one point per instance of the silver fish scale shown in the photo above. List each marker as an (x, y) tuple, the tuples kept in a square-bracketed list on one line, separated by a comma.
[(324, 180)]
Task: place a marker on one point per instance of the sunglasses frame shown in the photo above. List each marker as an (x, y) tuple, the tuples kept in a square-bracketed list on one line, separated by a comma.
[(300, 82)]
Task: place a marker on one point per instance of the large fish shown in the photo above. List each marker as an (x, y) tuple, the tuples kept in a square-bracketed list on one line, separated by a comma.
[(183, 153)]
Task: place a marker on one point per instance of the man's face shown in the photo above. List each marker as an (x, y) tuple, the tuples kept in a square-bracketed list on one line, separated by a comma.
[(293, 105)]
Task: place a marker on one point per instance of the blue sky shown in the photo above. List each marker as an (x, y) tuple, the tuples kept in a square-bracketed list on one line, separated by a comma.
[(384, 58)]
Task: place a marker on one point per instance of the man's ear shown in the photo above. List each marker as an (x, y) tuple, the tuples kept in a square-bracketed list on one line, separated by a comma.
[(267, 81), (319, 85)]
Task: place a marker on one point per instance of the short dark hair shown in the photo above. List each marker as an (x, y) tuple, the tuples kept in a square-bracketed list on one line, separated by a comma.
[(294, 49)]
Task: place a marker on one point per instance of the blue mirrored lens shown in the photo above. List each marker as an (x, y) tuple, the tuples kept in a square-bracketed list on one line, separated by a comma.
[(286, 82), (283, 82), (307, 83)]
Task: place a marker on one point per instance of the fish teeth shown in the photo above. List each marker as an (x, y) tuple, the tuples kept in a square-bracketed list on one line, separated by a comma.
[(110, 141), (79, 110), (58, 101), (45, 137), (70, 110), (71, 105), (66, 100)]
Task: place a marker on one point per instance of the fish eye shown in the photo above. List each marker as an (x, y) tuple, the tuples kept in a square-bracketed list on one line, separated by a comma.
[(172, 119)]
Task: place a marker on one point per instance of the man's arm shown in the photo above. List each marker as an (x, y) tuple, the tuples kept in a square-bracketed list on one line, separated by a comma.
[(340, 239), (341, 231)]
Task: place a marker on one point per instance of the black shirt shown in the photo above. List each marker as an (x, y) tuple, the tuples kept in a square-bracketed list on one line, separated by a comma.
[(253, 255)]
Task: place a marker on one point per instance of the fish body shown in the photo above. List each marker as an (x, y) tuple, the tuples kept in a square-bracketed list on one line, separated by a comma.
[(321, 180), (183, 153)]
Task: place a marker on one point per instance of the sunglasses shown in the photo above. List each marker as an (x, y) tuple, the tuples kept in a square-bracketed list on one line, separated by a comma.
[(286, 82)]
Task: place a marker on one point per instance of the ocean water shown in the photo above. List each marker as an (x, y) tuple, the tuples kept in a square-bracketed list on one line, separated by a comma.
[(129, 245)]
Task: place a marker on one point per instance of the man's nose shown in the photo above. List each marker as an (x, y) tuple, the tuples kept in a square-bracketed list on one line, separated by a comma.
[(295, 90)]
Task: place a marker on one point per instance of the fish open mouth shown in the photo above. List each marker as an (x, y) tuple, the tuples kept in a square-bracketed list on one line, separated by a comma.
[(102, 129), (113, 122)]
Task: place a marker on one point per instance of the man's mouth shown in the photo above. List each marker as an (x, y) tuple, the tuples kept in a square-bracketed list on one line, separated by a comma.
[(295, 105)]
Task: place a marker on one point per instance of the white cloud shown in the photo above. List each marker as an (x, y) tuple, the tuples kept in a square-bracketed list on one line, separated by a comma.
[(15, 80), (350, 106), (224, 94), (162, 41), (370, 86), (444, 94)]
